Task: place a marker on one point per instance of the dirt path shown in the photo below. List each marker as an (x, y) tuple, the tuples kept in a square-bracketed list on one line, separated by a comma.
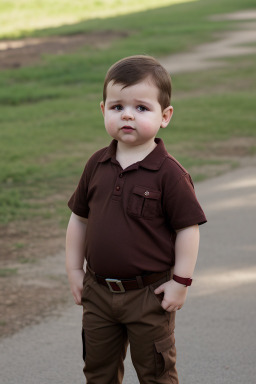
[(24, 52), (33, 281), (29, 51), (210, 55)]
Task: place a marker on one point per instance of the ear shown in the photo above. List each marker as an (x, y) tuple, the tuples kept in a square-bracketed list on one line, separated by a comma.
[(166, 116), (102, 107)]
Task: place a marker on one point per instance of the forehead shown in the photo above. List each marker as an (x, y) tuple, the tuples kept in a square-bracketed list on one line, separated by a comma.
[(145, 89)]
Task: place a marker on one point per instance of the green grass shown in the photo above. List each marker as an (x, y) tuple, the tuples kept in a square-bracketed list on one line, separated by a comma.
[(46, 13), (7, 272), (3, 323), (26, 260), (50, 118)]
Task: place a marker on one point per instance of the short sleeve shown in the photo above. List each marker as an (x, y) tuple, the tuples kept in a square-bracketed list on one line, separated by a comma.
[(78, 202), (181, 205)]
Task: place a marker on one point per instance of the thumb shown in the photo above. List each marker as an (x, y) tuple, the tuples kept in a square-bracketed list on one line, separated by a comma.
[(159, 289)]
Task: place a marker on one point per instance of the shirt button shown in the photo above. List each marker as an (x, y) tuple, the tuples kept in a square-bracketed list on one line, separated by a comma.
[(121, 175), (117, 188)]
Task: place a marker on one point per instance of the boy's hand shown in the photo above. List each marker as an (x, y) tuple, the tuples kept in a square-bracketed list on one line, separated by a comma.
[(174, 295), (76, 277)]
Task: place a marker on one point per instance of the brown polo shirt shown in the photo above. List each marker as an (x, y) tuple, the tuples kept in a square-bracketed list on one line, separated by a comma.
[(133, 213)]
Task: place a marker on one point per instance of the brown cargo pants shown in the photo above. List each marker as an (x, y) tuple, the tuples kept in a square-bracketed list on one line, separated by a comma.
[(110, 320)]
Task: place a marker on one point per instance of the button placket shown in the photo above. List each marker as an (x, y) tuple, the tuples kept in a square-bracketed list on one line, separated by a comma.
[(118, 189)]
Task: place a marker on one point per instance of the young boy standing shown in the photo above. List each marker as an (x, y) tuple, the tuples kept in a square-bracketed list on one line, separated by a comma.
[(135, 221)]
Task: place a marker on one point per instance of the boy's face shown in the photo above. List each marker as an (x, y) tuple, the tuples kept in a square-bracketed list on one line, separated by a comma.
[(133, 114)]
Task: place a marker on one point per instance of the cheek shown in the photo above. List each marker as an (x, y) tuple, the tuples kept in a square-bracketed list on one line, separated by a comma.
[(110, 122), (147, 125)]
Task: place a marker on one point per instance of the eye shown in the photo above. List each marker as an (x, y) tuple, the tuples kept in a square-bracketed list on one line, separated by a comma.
[(117, 107), (142, 108)]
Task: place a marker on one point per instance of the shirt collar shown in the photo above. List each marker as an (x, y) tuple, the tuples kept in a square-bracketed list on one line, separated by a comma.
[(110, 152), (152, 161)]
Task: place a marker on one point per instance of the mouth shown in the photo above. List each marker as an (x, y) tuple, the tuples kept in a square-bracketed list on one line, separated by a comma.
[(127, 128)]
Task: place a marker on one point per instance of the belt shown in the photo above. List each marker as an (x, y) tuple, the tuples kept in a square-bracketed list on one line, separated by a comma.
[(123, 285)]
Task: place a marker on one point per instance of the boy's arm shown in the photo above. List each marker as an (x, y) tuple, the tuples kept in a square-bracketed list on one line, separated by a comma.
[(186, 250), (75, 247)]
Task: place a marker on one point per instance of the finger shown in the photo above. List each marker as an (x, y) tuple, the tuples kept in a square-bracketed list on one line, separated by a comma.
[(169, 308), (78, 301), (159, 290), (166, 305), (173, 308), (78, 298)]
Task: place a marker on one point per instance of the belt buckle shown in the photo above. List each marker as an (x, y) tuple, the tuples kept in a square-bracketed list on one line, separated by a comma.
[(118, 283)]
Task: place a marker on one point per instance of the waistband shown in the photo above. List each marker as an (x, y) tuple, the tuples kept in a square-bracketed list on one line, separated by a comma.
[(138, 282)]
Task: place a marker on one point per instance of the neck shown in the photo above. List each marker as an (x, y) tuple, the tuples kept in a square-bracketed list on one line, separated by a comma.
[(128, 155)]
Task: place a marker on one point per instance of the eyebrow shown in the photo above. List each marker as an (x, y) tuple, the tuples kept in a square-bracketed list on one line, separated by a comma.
[(137, 101), (120, 101)]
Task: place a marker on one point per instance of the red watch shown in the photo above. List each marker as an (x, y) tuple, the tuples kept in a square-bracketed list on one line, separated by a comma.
[(182, 280)]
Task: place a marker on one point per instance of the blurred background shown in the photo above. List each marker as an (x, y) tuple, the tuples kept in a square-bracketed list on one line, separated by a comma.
[(53, 60)]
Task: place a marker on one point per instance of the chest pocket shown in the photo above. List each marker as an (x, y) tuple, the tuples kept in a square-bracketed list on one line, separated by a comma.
[(144, 202)]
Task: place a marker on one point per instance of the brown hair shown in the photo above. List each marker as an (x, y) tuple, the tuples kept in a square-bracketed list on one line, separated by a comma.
[(133, 69)]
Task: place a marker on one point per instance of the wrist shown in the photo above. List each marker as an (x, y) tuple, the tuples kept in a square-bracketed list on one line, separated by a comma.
[(186, 281), (75, 271)]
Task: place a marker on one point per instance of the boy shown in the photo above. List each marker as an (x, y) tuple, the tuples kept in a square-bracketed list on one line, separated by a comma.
[(135, 220)]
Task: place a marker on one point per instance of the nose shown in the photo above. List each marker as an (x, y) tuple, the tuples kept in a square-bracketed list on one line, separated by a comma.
[(127, 114)]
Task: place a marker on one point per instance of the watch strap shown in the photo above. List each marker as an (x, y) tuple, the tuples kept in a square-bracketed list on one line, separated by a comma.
[(182, 280)]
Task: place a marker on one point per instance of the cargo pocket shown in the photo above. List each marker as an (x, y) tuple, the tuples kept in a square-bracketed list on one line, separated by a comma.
[(83, 344), (144, 202), (165, 355)]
